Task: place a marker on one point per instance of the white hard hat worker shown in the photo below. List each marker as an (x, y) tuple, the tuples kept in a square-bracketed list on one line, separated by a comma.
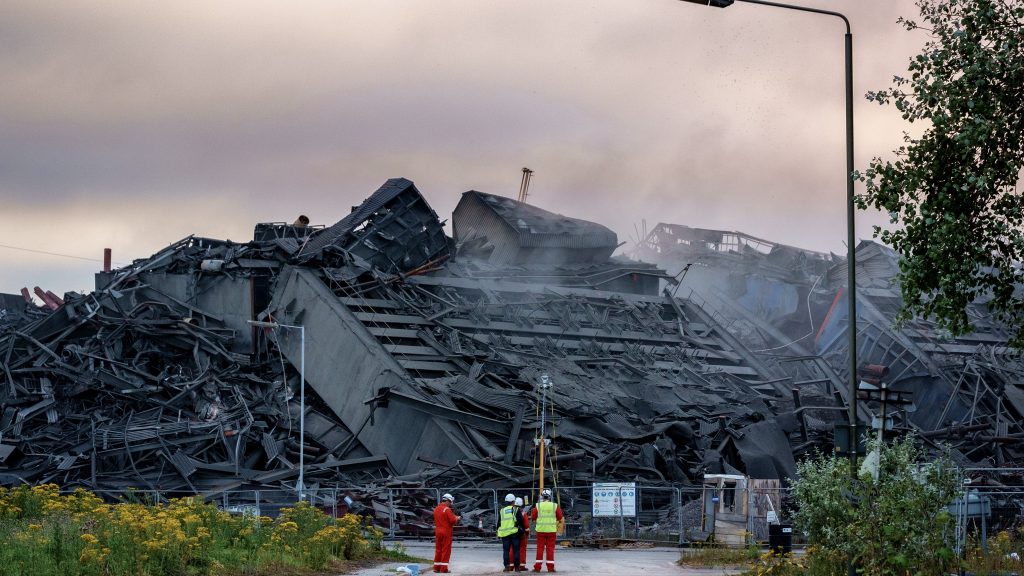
[(445, 520), (510, 498), (546, 518), (519, 501)]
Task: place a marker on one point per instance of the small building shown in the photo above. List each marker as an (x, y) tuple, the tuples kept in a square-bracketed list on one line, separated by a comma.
[(737, 508)]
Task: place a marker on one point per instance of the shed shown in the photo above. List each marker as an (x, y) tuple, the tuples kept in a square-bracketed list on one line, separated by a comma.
[(736, 507)]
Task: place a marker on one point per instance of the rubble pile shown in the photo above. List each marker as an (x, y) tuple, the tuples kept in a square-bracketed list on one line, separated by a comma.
[(424, 358), (132, 386), (790, 304)]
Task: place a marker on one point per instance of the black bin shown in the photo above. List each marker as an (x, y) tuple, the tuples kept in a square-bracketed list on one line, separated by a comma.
[(780, 538)]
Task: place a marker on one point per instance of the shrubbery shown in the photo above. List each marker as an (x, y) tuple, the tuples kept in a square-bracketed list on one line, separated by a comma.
[(895, 524), (46, 533)]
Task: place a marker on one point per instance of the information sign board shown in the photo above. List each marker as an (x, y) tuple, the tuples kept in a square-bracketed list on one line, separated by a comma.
[(614, 499)]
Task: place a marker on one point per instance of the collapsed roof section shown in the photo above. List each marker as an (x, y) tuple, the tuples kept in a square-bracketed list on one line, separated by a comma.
[(419, 365), (676, 245), (393, 230), (507, 232), (967, 390)]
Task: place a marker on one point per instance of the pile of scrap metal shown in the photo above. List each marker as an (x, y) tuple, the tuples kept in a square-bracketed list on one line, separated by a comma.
[(150, 382), (19, 309), (423, 360), (790, 304)]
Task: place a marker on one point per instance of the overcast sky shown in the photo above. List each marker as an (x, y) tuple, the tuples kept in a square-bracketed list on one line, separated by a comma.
[(133, 124)]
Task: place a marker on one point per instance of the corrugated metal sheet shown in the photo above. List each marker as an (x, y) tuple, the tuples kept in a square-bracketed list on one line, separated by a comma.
[(473, 219), (394, 230), (386, 193), (486, 395), (520, 232), (539, 228)]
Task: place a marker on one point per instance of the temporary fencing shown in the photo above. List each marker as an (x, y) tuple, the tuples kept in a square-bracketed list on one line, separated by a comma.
[(597, 513), (602, 513), (985, 509)]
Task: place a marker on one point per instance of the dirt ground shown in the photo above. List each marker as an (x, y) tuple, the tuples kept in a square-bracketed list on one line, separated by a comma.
[(485, 558)]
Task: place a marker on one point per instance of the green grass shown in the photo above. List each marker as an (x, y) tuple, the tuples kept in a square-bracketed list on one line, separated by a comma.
[(719, 557)]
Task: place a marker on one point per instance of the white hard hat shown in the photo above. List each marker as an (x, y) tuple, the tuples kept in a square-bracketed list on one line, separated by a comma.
[(510, 498), (519, 501), (448, 497), (546, 493)]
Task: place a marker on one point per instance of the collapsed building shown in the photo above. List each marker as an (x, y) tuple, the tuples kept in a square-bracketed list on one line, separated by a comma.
[(789, 304), (422, 357)]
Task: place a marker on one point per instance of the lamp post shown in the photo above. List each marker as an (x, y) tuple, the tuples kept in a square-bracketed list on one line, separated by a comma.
[(851, 260), (300, 488)]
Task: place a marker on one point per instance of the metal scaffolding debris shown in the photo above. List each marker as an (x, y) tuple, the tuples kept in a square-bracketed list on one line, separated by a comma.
[(788, 305), (423, 353)]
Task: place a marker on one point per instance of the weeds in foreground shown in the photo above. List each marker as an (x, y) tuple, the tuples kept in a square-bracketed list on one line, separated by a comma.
[(715, 556), (45, 533), (1005, 554)]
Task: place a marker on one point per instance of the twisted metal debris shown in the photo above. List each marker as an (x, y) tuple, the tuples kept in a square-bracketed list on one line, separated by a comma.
[(423, 357)]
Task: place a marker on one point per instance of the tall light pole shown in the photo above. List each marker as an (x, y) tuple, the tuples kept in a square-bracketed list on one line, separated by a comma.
[(851, 256), (300, 488)]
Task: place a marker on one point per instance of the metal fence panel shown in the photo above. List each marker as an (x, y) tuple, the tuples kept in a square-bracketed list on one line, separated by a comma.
[(478, 508), (406, 512), (691, 516), (661, 514)]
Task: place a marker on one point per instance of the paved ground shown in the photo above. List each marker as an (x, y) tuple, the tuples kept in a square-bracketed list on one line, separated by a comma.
[(485, 558)]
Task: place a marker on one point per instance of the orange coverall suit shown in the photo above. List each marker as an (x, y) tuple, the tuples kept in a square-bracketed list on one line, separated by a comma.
[(444, 520), (524, 540), (546, 528)]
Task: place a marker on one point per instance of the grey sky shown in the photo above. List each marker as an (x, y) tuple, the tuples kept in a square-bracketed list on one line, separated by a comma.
[(133, 124)]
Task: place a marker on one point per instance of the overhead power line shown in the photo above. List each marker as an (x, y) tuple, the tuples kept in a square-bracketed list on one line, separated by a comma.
[(33, 250)]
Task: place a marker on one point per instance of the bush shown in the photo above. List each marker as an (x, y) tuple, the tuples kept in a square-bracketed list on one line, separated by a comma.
[(893, 525), (46, 533)]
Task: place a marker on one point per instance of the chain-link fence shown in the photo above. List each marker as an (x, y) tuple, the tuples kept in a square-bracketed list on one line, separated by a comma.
[(478, 509), (985, 509)]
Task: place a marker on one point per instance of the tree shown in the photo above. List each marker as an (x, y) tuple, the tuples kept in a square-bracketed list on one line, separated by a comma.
[(893, 525), (953, 193)]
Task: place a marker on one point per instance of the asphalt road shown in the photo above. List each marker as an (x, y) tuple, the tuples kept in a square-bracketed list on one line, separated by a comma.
[(485, 558)]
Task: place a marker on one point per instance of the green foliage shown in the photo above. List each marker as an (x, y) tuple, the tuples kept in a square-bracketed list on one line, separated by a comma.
[(1001, 556), (397, 553), (952, 193), (46, 533), (814, 561), (714, 556), (895, 525)]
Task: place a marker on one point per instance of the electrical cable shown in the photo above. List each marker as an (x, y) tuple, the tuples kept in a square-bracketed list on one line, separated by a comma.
[(49, 253), (809, 316), (34, 251), (554, 457), (536, 457)]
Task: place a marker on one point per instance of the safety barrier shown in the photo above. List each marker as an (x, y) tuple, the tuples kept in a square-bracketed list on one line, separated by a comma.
[(593, 514), (608, 512)]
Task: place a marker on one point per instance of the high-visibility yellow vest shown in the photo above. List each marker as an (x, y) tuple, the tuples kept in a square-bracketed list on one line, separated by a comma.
[(546, 520), (508, 522)]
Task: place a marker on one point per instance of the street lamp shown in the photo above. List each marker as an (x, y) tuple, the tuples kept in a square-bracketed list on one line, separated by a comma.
[(300, 488), (851, 260)]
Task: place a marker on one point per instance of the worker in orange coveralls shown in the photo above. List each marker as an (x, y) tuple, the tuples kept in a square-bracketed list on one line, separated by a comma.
[(524, 537), (444, 520), (546, 516)]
